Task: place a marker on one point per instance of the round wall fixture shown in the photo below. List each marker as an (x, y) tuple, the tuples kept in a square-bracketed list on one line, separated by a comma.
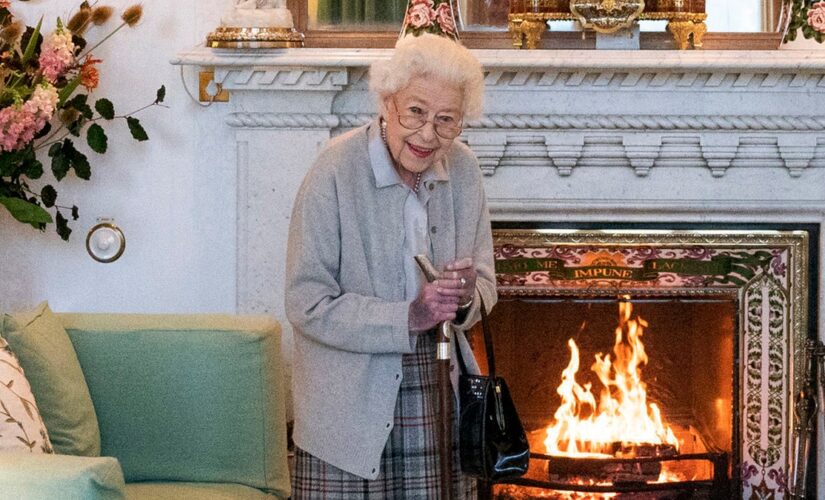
[(105, 241)]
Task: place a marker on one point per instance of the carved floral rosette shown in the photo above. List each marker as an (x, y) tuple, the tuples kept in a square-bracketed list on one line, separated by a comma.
[(766, 272)]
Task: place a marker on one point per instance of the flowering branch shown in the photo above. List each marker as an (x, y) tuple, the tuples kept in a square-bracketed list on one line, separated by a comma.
[(39, 81)]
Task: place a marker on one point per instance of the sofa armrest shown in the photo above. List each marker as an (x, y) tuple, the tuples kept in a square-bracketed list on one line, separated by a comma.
[(187, 397), (34, 476)]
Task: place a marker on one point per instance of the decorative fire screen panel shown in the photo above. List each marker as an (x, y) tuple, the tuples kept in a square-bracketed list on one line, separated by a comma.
[(766, 273)]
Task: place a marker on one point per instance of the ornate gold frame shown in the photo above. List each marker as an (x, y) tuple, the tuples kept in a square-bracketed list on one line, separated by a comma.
[(796, 325)]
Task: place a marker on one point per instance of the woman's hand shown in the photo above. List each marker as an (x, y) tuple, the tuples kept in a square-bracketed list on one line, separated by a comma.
[(440, 300), (459, 281), (431, 308)]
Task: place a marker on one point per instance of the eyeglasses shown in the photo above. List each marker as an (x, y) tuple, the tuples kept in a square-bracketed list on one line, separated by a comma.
[(414, 117)]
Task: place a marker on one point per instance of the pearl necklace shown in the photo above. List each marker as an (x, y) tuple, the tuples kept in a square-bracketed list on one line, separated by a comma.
[(384, 138)]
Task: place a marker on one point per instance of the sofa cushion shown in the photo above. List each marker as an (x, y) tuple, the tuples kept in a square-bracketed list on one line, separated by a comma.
[(51, 365), (187, 398), (21, 426), (193, 491), (29, 476)]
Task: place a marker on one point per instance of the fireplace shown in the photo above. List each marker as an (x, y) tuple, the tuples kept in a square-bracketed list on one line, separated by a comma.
[(652, 363)]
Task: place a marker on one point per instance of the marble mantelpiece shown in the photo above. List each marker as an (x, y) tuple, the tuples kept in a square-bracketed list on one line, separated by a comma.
[(566, 135)]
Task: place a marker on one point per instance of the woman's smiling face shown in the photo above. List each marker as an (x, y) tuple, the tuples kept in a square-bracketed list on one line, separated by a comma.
[(431, 99)]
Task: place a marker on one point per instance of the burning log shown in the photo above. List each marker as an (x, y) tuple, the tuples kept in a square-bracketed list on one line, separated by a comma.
[(624, 468)]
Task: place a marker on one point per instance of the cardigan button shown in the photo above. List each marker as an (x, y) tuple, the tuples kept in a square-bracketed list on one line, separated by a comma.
[(431, 186), (433, 229)]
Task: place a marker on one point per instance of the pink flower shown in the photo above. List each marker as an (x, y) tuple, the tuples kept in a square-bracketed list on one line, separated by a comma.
[(56, 54), (20, 123), (444, 16), (421, 15), (816, 16), (16, 128), (43, 101)]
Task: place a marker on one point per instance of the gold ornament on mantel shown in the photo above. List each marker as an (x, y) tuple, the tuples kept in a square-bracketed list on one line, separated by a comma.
[(606, 16), (686, 18), (256, 24)]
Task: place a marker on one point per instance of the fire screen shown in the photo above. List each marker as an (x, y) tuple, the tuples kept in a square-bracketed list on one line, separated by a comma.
[(652, 364)]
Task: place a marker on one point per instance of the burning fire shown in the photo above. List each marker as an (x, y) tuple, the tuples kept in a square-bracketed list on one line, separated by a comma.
[(623, 416)]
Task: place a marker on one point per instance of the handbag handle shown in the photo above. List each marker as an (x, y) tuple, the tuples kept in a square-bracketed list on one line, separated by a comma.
[(488, 343)]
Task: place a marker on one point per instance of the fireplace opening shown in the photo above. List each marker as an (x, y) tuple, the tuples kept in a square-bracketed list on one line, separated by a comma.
[(622, 395), (725, 316)]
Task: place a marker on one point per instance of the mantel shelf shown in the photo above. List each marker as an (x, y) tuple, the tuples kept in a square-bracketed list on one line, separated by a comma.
[(673, 60)]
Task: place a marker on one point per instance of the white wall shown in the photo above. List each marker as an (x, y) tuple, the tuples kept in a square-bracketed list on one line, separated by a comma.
[(178, 216)]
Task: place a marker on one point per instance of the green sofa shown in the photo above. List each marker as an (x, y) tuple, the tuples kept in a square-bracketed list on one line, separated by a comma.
[(189, 407)]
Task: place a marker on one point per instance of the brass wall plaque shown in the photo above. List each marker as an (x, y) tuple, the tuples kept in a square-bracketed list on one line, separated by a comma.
[(607, 16)]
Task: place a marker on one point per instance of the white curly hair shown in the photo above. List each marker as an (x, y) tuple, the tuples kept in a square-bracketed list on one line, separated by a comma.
[(431, 56)]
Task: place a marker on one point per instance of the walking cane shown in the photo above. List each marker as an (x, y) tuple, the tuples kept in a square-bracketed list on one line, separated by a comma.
[(445, 391)]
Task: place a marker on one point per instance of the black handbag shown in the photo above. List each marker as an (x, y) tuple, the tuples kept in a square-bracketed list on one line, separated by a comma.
[(491, 438)]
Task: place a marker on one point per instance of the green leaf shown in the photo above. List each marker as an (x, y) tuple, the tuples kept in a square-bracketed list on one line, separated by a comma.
[(161, 95), (61, 162), (105, 108), (136, 129), (66, 91), (81, 165), (62, 227), (76, 126), (49, 195), (29, 52), (33, 168), (96, 138), (55, 148), (26, 212), (8, 163), (80, 103)]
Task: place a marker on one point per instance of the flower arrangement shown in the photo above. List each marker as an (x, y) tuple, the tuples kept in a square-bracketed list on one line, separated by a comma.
[(809, 16), (430, 16), (43, 106)]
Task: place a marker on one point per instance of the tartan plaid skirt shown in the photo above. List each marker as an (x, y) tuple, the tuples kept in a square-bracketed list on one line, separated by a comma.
[(409, 463)]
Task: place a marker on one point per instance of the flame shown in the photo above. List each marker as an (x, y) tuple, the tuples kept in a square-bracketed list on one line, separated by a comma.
[(583, 428)]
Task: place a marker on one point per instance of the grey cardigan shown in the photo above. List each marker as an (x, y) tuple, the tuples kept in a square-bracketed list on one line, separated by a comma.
[(345, 292)]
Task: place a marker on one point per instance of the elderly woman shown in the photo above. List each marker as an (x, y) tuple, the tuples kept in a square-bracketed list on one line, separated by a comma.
[(363, 313)]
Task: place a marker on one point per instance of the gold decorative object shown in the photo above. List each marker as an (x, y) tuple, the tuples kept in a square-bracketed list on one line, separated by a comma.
[(226, 37), (606, 16), (686, 32), (220, 94), (686, 18)]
